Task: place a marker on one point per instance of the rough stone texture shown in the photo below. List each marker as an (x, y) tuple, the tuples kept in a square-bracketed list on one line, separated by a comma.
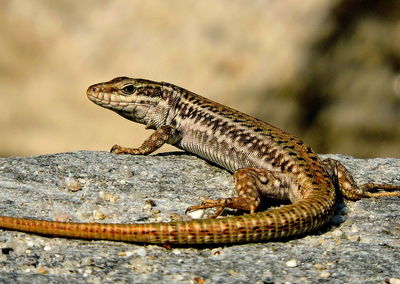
[(363, 244)]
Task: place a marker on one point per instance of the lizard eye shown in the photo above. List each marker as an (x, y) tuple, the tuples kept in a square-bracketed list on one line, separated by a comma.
[(129, 89)]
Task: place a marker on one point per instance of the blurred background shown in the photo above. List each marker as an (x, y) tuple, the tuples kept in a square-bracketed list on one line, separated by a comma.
[(325, 70)]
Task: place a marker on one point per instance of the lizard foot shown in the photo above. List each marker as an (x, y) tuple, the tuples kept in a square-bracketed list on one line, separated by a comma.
[(219, 203), (116, 149), (238, 202)]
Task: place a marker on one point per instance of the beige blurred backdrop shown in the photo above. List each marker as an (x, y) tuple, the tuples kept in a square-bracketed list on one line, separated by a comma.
[(325, 70)]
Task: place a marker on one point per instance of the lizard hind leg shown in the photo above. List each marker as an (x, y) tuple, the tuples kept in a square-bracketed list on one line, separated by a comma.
[(250, 184), (348, 187)]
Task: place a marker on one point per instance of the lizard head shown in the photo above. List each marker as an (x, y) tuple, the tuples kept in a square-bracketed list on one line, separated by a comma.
[(134, 99)]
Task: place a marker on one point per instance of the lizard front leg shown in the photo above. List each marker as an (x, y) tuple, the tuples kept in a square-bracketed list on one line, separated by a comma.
[(151, 144), (251, 184), (348, 187)]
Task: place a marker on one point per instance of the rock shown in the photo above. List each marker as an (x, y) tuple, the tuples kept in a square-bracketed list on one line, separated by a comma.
[(33, 187)]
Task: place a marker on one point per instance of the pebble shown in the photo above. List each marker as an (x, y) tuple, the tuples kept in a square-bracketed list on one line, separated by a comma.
[(125, 253), (354, 228), (197, 214), (42, 270), (63, 217), (338, 233), (291, 263), (352, 237), (108, 197), (324, 274), (141, 252), (125, 171), (99, 215), (175, 217), (319, 266), (72, 184)]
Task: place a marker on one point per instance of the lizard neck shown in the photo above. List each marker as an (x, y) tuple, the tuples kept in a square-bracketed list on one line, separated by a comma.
[(163, 112)]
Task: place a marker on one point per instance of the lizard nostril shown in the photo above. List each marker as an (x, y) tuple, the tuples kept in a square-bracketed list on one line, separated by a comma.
[(94, 89)]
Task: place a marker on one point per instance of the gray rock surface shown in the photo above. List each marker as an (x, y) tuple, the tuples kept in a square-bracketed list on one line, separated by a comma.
[(362, 244)]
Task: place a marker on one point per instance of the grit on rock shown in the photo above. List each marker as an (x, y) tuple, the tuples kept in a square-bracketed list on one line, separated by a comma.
[(362, 244)]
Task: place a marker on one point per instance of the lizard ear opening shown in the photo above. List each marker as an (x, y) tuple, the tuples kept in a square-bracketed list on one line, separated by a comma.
[(129, 89)]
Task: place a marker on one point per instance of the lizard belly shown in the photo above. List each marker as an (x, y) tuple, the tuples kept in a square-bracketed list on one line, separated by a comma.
[(219, 151)]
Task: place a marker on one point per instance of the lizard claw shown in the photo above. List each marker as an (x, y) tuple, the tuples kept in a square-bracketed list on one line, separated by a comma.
[(219, 203)]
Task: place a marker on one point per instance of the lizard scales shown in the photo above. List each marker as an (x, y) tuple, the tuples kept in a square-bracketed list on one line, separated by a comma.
[(263, 157)]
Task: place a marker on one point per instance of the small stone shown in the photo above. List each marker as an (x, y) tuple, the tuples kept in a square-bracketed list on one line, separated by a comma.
[(199, 280), (99, 215), (42, 270), (125, 253), (95, 280), (129, 253), (393, 281), (324, 274), (338, 233), (197, 214), (108, 197), (176, 252), (177, 278), (62, 217), (141, 252), (232, 272), (72, 184), (139, 266), (291, 263), (319, 266), (352, 237), (316, 243), (125, 171), (186, 218), (354, 228), (175, 217)]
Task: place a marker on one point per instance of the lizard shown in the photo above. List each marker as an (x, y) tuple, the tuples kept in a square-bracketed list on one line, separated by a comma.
[(265, 161)]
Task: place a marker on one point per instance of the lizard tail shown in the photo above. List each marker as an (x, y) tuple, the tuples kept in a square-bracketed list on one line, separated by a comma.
[(303, 216)]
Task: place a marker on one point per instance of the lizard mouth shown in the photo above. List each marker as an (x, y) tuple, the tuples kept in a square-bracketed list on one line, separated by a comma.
[(114, 102), (109, 101)]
